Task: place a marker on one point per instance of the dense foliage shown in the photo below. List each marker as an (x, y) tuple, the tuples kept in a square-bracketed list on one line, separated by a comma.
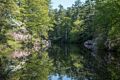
[(24, 23), (96, 20), (28, 26)]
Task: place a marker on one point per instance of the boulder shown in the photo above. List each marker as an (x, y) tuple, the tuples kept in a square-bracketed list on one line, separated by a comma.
[(88, 44)]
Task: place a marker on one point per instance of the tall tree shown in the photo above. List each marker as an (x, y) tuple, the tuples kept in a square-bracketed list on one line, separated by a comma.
[(36, 16)]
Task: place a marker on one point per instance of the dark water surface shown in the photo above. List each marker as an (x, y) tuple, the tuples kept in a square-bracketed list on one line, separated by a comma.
[(61, 62)]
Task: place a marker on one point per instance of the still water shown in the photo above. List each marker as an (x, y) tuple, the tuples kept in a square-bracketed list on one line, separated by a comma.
[(60, 62)]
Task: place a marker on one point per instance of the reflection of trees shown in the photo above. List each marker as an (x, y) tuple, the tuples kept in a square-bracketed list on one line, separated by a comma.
[(70, 63), (80, 64), (35, 68), (75, 62), (103, 65), (3, 65)]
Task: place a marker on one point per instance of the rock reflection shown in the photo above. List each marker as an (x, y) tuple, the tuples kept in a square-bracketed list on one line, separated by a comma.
[(60, 62)]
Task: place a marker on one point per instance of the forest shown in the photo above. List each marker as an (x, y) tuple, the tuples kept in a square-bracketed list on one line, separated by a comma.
[(95, 20), (25, 21), (31, 26)]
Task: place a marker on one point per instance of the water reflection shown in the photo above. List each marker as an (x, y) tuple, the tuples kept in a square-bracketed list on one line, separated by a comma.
[(58, 77), (78, 63), (69, 61), (61, 62), (35, 66)]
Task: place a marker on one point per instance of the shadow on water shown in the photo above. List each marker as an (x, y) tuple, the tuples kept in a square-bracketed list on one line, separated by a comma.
[(61, 62)]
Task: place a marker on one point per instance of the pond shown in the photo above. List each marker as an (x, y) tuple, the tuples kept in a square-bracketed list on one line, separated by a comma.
[(61, 62)]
